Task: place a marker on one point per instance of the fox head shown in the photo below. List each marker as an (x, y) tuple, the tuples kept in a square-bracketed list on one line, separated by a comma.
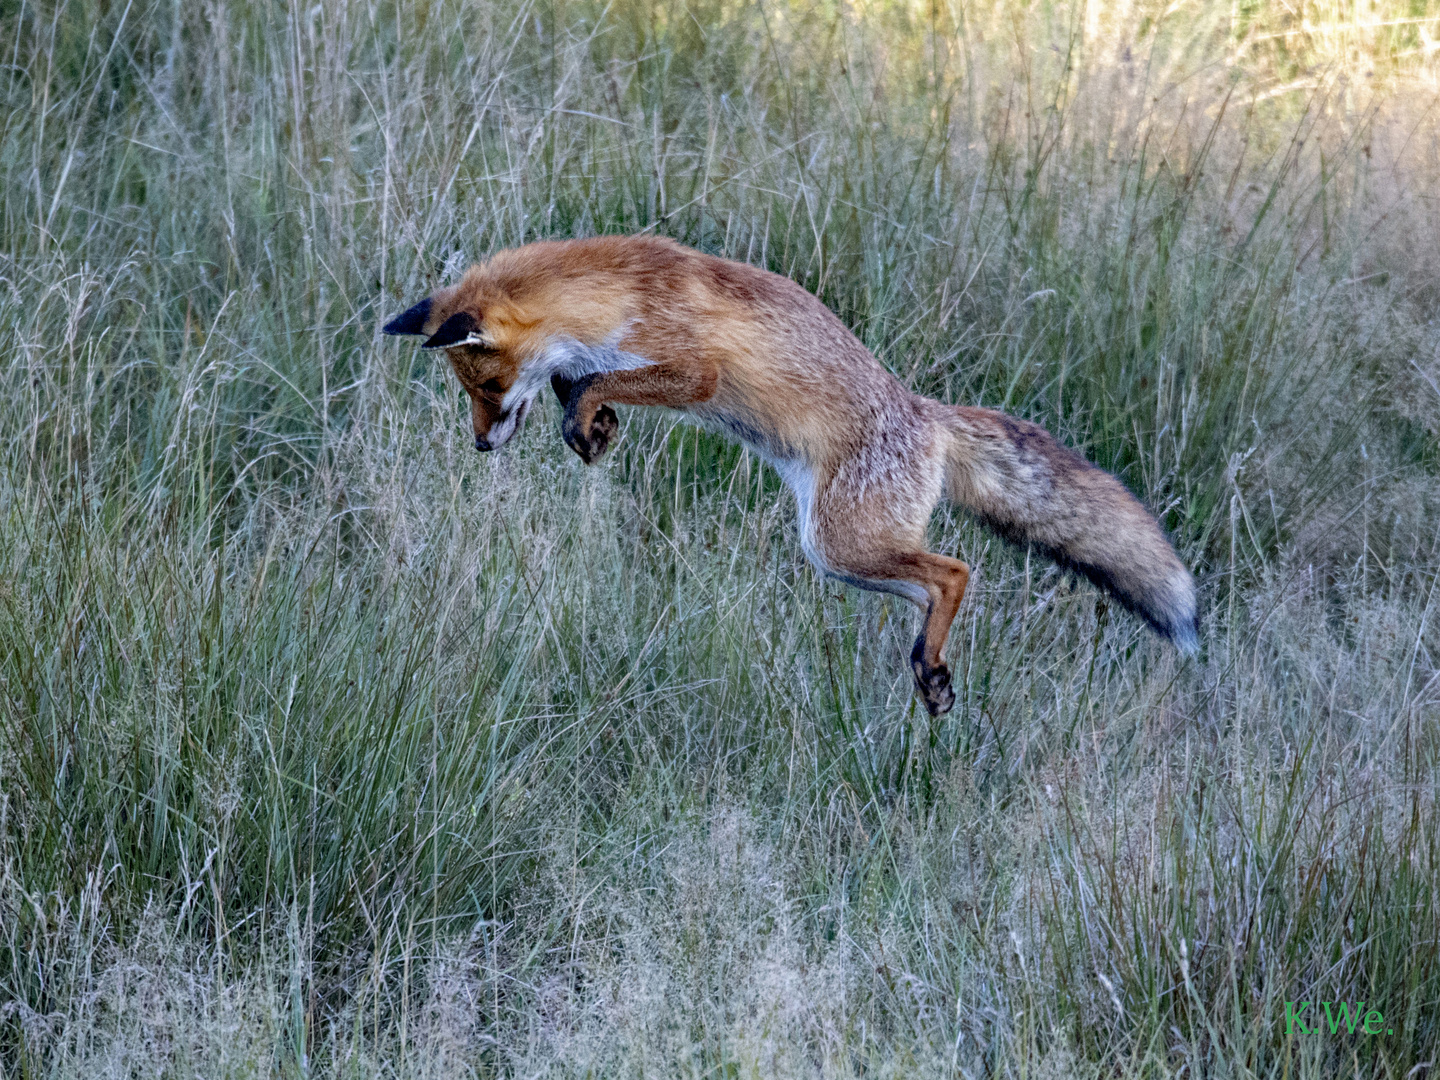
[(484, 360), (529, 318)]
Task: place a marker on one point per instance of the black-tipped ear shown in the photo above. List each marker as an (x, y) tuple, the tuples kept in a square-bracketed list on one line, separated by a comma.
[(458, 329), (409, 322)]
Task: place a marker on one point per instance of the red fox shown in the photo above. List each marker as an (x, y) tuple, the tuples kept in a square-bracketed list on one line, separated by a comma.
[(640, 320)]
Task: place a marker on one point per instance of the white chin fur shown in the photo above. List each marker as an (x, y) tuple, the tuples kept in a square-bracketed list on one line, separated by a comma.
[(507, 428), (573, 360)]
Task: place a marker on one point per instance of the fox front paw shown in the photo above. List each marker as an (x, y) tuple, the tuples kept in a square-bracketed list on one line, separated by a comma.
[(592, 445), (932, 682)]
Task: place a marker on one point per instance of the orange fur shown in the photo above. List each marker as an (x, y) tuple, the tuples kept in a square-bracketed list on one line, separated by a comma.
[(644, 321)]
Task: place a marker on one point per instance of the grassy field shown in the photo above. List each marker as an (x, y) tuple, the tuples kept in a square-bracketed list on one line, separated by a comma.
[(329, 747)]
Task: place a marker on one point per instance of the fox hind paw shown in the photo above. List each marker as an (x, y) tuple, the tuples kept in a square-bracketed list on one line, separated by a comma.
[(932, 682), (936, 691)]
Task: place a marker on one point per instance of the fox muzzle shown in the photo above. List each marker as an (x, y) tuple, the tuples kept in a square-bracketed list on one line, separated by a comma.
[(503, 429)]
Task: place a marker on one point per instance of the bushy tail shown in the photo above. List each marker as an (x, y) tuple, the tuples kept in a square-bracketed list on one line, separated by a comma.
[(1031, 490)]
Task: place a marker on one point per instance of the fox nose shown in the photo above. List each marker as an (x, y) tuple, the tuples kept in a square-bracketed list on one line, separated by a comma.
[(482, 444)]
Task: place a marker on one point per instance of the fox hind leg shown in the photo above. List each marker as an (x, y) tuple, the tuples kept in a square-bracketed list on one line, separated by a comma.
[(934, 583), (944, 581), (950, 576), (866, 525)]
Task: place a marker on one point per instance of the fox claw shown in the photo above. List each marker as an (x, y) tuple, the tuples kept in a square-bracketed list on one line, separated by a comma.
[(932, 682), (592, 447)]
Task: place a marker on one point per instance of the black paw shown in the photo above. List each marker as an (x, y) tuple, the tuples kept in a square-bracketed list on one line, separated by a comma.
[(932, 682), (604, 428), (592, 445)]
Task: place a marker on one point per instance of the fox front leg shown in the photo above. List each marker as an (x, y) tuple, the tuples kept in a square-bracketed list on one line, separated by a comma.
[(590, 423), (590, 444), (588, 436)]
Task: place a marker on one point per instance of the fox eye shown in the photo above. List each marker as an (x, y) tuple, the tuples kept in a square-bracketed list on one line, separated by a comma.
[(491, 386)]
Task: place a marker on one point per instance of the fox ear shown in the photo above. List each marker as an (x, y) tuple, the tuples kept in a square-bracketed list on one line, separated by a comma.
[(459, 329), (409, 322)]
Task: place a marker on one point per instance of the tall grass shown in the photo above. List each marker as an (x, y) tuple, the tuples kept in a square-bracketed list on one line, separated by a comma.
[(330, 747)]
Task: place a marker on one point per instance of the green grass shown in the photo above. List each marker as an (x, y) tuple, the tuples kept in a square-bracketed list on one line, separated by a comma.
[(329, 747)]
